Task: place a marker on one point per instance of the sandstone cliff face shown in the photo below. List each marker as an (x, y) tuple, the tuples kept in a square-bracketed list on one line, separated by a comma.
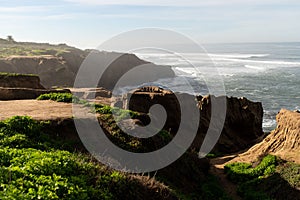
[(53, 71), (20, 81), (284, 141), (26, 93), (243, 123), (22, 86)]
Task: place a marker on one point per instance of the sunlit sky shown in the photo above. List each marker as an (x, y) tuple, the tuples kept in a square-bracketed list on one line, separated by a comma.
[(87, 23)]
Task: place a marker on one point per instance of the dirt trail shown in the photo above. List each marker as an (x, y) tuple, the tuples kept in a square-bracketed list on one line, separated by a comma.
[(217, 169), (40, 110)]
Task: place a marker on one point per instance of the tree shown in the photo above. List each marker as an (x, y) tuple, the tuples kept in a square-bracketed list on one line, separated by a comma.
[(10, 38)]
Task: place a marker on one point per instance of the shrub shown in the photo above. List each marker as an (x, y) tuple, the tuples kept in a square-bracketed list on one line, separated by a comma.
[(15, 74), (117, 112), (37, 174), (248, 177), (241, 172), (20, 124), (60, 97)]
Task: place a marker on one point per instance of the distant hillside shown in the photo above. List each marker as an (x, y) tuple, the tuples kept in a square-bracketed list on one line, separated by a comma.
[(57, 65)]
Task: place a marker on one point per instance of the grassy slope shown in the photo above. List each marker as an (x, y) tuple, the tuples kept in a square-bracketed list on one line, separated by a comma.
[(31, 49), (34, 166)]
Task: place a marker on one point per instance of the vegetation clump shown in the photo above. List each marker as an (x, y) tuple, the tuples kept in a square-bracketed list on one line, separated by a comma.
[(271, 179), (242, 172), (6, 74), (246, 176), (60, 97), (119, 113), (111, 117)]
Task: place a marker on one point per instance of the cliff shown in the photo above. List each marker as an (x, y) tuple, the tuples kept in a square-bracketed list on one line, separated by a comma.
[(57, 65), (20, 81), (284, 141), (22, 86), (26, 93), (243, 122)]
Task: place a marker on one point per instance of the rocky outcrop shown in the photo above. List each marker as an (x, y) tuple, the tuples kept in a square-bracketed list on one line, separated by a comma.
[(26, 93), (57, 65), (142, 99), (91, 93), (284, 141), (243, 123), (242, 127), (22, 86), (20, 81), (52, 70), (137, 71)]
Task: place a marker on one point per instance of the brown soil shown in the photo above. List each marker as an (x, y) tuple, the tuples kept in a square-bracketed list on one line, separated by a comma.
[(40, 110)]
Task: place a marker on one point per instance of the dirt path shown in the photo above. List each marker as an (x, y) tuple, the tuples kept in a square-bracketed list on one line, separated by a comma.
[(39, 110), (217, 169)]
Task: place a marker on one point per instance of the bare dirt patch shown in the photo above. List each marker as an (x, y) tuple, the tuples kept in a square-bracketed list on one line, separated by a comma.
[(40, 110)]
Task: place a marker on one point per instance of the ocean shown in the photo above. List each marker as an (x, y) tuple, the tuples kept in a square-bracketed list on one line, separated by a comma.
[(264, 72)]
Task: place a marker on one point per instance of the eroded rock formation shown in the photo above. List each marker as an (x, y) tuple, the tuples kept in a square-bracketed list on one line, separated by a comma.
[(20, 81), (284, 141), (22, 86), (26, 93), (243, 122)]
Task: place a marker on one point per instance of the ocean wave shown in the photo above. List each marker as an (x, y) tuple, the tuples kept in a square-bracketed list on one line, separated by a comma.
[(271, 63), (269, 124), (238, 55), (260, 68), (187, 71), (219, 59)]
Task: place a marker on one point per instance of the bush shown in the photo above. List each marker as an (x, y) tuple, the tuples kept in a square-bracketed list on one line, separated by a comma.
[(20, 124), (241, 172), (24, 132), (248, 177), (117, 112), (3, 74), (60, 97), (37, 174)]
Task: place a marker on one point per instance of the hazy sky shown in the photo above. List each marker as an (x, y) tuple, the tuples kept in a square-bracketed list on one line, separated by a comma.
[(87, 23)]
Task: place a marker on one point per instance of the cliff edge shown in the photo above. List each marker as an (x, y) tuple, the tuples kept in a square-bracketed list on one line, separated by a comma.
[(57, 65), (284, 141)]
